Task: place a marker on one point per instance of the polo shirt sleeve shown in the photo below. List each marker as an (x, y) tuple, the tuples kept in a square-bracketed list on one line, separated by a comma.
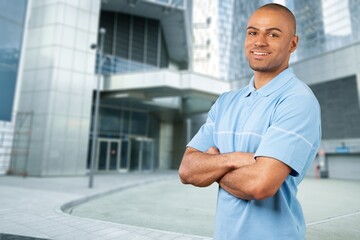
[(204, 139), (294, 133)]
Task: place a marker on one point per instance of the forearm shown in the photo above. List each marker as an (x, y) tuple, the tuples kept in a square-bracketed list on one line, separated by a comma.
[(238, 183), (202, 169), (256, 181)]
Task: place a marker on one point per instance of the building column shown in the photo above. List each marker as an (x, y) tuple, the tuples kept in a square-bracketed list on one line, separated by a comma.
[(166, 145), (57, 84)]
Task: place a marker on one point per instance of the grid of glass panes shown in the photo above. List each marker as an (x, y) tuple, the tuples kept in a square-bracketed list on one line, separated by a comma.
[(325, 25), (12, 16), (131, 44), (322, 26)]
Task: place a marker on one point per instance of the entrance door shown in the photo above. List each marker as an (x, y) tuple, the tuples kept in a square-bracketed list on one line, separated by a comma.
[(142, 154), (108, 157), (124, 156)]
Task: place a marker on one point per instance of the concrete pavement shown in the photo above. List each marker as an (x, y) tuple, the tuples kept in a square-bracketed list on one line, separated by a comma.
[(32, 207), (152, 206), (331, 208)]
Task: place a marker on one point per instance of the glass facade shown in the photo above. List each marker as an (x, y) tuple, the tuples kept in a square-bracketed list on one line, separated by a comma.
[(238, 63), (178, 3), (226, 39), (225, 9), (132, 44), (131, 129), (119, 123), (322, 26), (12, 17)]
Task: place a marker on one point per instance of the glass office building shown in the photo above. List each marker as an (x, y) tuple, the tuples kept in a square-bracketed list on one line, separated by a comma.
[(147, 93), (157, 59), (326, 59), (12, 22)]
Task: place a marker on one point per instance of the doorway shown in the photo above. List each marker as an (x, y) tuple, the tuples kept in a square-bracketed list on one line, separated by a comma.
[(142, 154), (123, 155), (112, 155)]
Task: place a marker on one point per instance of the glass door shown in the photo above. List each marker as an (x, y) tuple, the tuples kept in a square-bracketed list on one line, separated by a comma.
[(124, 156), (108, 157), (142, 154), (102, 155)]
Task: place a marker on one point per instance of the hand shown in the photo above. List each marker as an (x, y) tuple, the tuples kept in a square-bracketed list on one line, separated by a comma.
[(239, 159), (213, 150)]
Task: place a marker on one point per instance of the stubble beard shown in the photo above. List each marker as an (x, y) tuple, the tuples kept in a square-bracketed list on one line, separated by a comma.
[(260, 68)]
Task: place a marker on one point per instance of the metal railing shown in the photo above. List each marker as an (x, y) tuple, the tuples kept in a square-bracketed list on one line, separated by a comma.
[(14, 144), (171, 3)]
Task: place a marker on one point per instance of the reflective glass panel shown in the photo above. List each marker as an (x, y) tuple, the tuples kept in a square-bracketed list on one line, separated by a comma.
[(114, 155), (12, 17)]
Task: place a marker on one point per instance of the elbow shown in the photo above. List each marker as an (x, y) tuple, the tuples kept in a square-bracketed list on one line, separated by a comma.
[(262, 195), (183, 175), (188, 177), (261, 192), (184, 170)]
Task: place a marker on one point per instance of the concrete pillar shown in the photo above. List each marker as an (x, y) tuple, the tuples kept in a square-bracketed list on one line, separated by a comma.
[(166, 145), (57, 84)]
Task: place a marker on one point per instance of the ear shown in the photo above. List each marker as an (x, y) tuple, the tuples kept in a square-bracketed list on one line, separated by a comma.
[(293, 43)]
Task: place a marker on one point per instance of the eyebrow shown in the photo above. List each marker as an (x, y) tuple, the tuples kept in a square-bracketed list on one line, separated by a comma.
[(268, 29)]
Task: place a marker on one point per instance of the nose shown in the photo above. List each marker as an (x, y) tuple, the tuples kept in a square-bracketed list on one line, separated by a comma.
[(260, 40)]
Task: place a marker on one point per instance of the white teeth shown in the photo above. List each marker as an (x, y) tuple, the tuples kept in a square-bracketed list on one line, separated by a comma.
[(260, 53)]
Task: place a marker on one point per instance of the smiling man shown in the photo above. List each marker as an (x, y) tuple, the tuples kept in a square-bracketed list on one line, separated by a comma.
[(258, 142)]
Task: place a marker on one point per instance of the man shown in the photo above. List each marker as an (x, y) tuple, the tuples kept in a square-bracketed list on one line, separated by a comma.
[(258, 142)]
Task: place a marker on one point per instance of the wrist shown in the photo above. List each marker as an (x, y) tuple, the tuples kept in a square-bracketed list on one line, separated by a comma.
[(237, 160)]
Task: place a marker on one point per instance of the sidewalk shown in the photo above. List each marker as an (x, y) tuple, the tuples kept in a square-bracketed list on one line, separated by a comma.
[(120, 202), (31, 207), (331, 208)]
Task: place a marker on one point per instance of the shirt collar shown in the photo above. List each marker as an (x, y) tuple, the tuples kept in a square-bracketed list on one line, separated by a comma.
[(276, 83)]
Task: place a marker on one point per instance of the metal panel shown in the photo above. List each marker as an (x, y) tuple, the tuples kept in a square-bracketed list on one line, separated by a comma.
[(344, 166)]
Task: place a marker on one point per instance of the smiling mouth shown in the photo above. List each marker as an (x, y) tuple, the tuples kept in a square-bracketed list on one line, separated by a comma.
[(260, 53)]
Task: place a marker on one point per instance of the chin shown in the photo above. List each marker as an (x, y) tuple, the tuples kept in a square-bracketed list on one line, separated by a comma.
[(260, 68)]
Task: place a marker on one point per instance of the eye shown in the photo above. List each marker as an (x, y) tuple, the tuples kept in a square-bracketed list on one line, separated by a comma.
[(251, 33), (273, 35)]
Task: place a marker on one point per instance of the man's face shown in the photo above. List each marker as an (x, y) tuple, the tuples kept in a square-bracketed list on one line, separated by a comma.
[(269, 41)]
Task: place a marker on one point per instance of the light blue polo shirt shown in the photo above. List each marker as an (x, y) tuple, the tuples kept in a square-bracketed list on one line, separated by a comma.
[(280, 120)]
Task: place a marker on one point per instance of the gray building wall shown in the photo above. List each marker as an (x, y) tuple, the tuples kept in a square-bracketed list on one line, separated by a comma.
[(344, 166), (336, 74), (325, 68), (339, 107), (57, 84)]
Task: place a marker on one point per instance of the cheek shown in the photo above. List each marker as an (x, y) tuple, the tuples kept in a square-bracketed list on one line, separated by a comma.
[(247, 46), (247, 42)]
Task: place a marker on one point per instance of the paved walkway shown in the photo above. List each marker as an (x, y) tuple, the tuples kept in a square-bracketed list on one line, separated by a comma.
[(331, 208), (32, 207), (152, 206)]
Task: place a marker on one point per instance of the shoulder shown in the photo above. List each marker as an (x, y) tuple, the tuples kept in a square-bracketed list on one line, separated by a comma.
[(231, 95), (297, 101), (299, 94)]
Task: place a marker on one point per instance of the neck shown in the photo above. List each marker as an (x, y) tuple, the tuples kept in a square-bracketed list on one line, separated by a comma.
[(262, 78)]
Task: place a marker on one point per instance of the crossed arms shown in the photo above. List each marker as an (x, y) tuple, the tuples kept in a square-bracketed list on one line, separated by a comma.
[(238, 173)]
